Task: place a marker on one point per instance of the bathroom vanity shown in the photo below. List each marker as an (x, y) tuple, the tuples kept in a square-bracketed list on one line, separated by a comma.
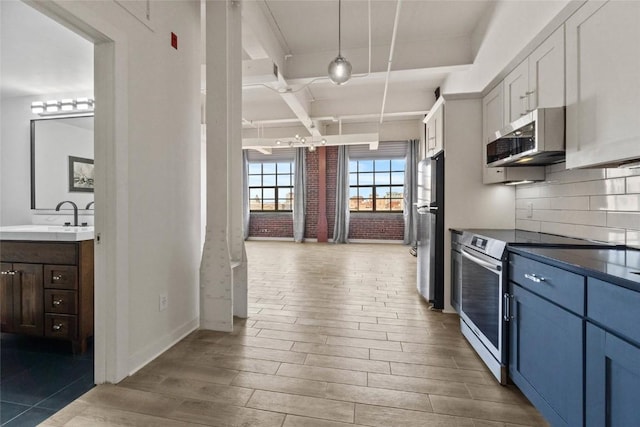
[(46, 282)]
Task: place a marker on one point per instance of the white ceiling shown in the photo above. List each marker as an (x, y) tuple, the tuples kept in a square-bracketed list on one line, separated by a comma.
[(434, 38), (40, 56)]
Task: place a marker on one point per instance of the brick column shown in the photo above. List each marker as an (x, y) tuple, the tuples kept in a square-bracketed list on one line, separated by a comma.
[(322, 195)]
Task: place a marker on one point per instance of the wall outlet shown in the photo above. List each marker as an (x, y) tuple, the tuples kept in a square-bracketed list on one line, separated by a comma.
[(163, 300), (529, 210)]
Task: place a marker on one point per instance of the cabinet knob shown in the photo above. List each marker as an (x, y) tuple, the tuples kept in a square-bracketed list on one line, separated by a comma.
[(56, 326), (57, 277), (56, 302)]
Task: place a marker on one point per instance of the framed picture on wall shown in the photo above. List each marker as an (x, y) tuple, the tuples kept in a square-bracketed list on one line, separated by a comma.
[(80, 175)]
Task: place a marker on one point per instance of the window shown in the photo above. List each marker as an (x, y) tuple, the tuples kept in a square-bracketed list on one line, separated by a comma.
[(271, 187), (376, 185)]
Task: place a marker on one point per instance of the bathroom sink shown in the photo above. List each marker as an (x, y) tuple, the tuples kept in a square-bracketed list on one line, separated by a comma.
[(46, 232)]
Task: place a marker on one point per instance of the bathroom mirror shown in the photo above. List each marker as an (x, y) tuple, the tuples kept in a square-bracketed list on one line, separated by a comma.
[(61, 161)]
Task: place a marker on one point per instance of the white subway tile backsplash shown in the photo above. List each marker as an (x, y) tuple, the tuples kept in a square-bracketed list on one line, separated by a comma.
[(595, 204), (628, 220), (633, 184), (627, 202)]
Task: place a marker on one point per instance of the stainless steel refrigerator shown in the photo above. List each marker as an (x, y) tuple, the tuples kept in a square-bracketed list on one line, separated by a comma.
[(430, 208)]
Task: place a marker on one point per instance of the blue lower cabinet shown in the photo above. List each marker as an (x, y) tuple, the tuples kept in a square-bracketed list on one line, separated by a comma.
[(612, 380), (546, 357)]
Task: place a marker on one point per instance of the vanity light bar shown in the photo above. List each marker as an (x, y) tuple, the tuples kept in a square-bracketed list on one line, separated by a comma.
[(64, 106)]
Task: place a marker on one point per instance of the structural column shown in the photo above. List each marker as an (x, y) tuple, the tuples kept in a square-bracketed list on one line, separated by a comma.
[(321, 228), (223, 267)]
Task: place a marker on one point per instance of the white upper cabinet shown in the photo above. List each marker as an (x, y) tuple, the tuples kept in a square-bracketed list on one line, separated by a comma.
[(493, 119), (538, 81), (603, 84), (434, 129), (546, 73), (516, 88)]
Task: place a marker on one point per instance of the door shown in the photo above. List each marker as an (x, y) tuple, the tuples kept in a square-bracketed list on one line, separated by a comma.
[(546, 73), (28, 299), (546, 356), (456, 277), (612, 380), (6, 297), (426, 254), (516, 86), (492, 121)]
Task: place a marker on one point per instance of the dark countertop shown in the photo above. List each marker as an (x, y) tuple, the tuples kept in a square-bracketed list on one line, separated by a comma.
[(615, 265), (521, 237)]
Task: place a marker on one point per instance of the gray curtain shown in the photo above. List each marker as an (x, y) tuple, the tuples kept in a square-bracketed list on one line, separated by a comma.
[(341, 227), (410, 192), (245, 194), (299, 194)]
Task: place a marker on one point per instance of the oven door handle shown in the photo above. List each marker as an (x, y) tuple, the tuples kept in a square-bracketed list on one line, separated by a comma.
[(489, 266)]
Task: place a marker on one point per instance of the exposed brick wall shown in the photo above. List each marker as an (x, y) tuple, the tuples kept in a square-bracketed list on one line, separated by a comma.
[(361, 225), (271, 224), (379, 226)]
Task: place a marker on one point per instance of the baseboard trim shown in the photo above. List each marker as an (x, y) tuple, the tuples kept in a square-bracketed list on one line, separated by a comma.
[(393, 242), (143, 357)]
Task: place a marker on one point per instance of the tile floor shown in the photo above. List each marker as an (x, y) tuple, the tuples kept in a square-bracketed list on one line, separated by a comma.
[(337, 336), (38, 378)]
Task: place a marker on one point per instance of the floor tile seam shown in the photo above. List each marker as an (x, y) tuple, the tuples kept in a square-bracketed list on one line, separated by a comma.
[(58, 392), (312, 397), (19, 415)]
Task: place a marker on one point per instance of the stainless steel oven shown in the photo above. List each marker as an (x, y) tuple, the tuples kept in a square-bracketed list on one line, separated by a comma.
[(482, 283)]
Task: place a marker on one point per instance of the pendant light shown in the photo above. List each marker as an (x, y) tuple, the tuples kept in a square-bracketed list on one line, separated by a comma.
[(339, 68)]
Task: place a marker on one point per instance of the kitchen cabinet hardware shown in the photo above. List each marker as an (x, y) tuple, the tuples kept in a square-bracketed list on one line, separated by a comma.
[(534, 278)]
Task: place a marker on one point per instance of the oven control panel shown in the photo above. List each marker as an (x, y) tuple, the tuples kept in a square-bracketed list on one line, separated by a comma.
[(479, 243)]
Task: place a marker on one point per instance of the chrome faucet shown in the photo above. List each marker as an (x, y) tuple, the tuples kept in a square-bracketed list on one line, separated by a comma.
[(75, 211), (88, 205)]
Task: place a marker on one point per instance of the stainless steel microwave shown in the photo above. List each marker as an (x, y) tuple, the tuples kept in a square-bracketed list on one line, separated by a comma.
[(537, 138)]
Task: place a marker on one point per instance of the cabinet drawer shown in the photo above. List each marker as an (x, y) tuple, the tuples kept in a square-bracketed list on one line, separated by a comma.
[(60, 326), (58, 301), (39, 252), (615, 308), (562, 287), (61, 276)]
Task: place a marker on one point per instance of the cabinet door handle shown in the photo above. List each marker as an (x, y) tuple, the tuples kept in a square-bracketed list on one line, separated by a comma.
[(9, 273), (56, 302), (523, 96), (56, 326), (57, 277), (531, 92), (506, 307), (534, 278)]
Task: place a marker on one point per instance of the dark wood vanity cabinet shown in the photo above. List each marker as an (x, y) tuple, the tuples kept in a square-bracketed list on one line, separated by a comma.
[(46, 289)]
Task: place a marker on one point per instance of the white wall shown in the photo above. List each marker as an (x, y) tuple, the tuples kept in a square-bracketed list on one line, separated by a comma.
[(596, 204), (162, 90)]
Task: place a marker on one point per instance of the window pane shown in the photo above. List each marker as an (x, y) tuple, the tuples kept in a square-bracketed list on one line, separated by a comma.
[(269, 205), (365, 178), (353, 199), (365, 192), (397, 192), (383, 178), (365, 165), (269, 180), (255, 199), (398, 164), (383, 204), (353, 166), (397, 205), (284, 180), (382, 165), (383, 192), (269, 193), (353, 179), (255, 181), (255, 168), (284, 167), (365, 204), (268, 168), (397, 178)]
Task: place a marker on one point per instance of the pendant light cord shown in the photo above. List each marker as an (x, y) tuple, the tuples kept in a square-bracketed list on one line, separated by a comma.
[(339, 27)]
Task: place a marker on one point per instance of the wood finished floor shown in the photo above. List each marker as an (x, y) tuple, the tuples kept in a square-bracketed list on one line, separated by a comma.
[(337, 336)]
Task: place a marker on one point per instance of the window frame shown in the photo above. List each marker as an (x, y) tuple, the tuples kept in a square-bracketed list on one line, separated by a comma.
[(276, 188), (374, 186)]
